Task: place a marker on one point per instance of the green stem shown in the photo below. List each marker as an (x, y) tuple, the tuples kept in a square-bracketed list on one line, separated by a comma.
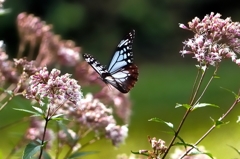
[(186, 113), (214, 126), (47, 119)]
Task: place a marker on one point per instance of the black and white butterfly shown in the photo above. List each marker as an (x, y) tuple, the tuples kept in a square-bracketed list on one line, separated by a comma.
[(121, 72)]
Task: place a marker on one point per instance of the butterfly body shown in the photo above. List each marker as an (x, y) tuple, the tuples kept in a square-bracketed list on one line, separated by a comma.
[(121, 72)]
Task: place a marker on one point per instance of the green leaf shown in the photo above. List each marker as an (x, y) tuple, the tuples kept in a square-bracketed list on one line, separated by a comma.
[(215, 76), (58, 117), (183, 105), (46, 155), (218, 122), (194, 151), (39, 110), (81, 154), (199, 152), (181, 139), (28, 111), (184, 144), (235, 149), (201, 105), (30, 150), (162, 121), (235, 95)]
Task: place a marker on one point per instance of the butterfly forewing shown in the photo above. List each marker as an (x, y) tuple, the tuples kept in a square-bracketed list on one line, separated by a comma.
[(121, 72), (123, 54), (95, 64)]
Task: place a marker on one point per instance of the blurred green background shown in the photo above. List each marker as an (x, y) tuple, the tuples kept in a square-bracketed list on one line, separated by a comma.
[(165, 77)]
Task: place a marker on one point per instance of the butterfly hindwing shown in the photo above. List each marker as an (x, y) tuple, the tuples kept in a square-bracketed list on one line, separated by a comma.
[(125, 78), (121, 73)]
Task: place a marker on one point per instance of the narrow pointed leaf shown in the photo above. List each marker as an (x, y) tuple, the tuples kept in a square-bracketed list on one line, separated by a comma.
[(218, 122), (181, 139), (215, 76), (183, 144), (199, 152), (235, 149), (30, 150), (39, 110), (201, 105), (28, 111), (235, 95), (46, 155), (162, 121), (59, 117), (183, 105)]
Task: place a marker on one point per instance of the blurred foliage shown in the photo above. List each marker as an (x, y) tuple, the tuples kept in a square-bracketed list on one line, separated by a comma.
[(97, 26)]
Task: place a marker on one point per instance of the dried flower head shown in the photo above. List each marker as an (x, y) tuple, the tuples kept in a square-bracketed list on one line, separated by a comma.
[(157, 145), (158, 148), (214, 39)]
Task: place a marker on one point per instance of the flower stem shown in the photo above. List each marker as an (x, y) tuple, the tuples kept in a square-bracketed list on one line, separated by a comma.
[(47, 119), (214, 126)]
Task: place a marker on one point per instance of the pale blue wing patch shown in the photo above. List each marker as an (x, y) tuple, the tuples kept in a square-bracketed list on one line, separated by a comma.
[(123, 54)]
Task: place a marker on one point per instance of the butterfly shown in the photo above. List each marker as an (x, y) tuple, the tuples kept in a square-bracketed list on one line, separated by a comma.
[(121, 72)]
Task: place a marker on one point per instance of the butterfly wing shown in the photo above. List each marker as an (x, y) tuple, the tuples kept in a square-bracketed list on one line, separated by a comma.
[(123, 54), (124, 73), (121, 73), (100, 69), (124, 79)]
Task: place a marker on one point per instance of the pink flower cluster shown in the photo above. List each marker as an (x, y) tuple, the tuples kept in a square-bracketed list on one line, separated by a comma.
[(214, 39), (54, 87)]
